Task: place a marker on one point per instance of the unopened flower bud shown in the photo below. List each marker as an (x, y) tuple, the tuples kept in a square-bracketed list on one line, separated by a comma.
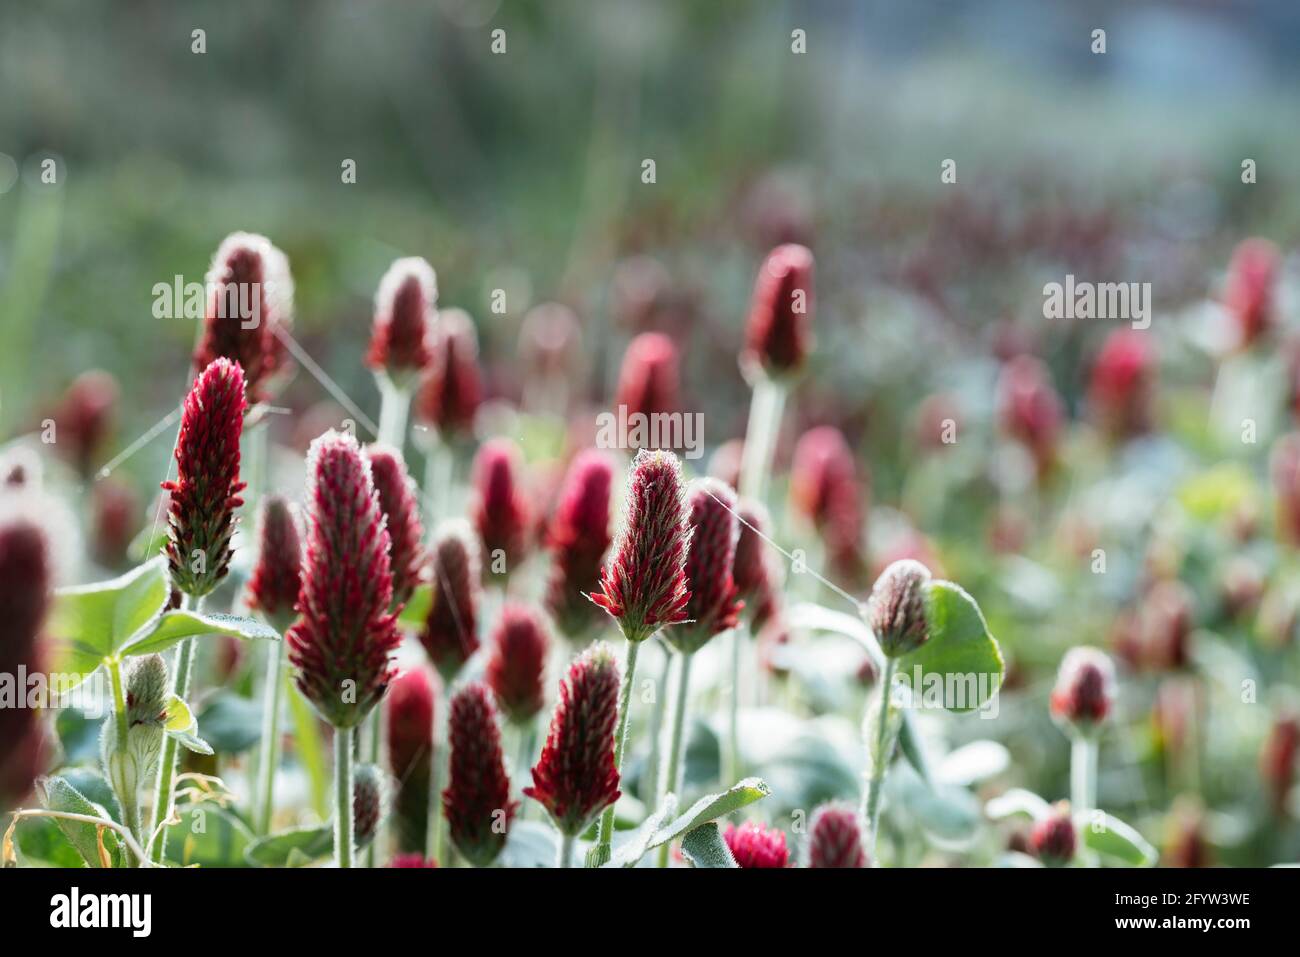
[(1053, 839), (896, 611), (1085, 689)]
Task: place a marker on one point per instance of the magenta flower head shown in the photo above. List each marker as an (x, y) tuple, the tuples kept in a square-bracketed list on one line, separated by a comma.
[(1122, 386), (205, 494), (408, 707), (1084, 694), (83, 419), (450, 633), (825, 489), (896, 611), (25, 584), (250, 297), (412, 859), (115, 518), (578, 538), (1279, 758), (342, 641), (1030, 410), (404, 311), (477, 798), (725, 461), (277, 576), (1284, 465), (516, 671), (778, 334), (753, 570), (714, 605), (1249, 293), (649, 381), (400, 503), (576, 778), (452, 389), (499, 508), (1053, 840), (370, 797), (754, 845), (835, 838), (643, 585)]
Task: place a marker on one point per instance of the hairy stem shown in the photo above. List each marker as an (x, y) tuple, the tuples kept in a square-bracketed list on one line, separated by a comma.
[(269, 752), (566, 850), (343, 796), (884, 747), (127, 795), (673, 769), (601, 853), (162, 806)]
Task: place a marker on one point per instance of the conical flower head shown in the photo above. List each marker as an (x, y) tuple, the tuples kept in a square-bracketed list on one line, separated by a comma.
[(778, 334), (1249, 295), (250, 297), (1284, 465), (25, 582), (115, 519), (516, 671), (408, 707), (896, 611), (412, 859), (450, 633), (1053, 839), (277, 576), (648, 382), (205, 494), (477, 799), (835, 838), (643, 584), (498, 508), (1084, 694), (1030, 409), (404, 315), (755, 845), (370, 797), (576, 778), (400, 503), (83, 419), (713, 606), (1121, 388), (754, 571), (826, 489), (1279, 759), (452, 388), (578, 538), (342, 641)]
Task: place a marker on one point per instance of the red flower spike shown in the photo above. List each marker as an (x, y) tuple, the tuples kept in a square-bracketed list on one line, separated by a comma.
[(83, 419), (413, 859), (450, 633), (1053, 839), (575, 778), (201, 516), (343, 638), (499, 510), (1122, 386), (369, 802), (404, 311), (578, 539), (516, 671), (251, 296), (835, 838), (778, 334), (115, 518), (409, 710), (477, 799), (896, 611), (648, 382), (753, 570), (1278, 760), (754, 845), (724, 463), (399, 501), (452, 389), (714, 605), (25, 582), (1165, 626), (1284, 465), (277, 576), (824, 488), (1248, 295), (643, 584), (1030, 410), (1085, 689)]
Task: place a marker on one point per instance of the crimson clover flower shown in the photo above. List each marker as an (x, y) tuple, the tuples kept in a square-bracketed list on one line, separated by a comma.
[(578, 538), (400, 504), (835, 838), (84, 417), (648, 382), (1084, 694), (450, 633), (452, 388), (778, 335), (516, 670), (477, 799), (713, 606), (404, 315), (277, 576), (755, 845), (1249, 294), (1121, 387), (26, 575), (408, 707), (498, 509), (825, 488), (1053, 839), (1030, 410), (896, 609)]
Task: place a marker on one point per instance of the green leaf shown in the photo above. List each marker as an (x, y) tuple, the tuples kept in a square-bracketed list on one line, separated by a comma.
[(711, 807), (208, 836), (1017, 801), (175, 626), (1112, 838), (416, 611), (632, 847), (294, 847), (704, 847), (230, 723), (309, 746), (92, 622), (531, 844), (179, 716), (960, 666), (58, 795), (92, 783), (949, 815), (79, 735)]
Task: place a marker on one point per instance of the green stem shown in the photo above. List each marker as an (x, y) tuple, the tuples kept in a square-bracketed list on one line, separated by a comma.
[(884, 747), (343, 796), (439, 469), (269, 753), (566, 850), (650, 789), (1083, 773), (162, 806), (394, 406), (731, 770), (672, 771), (601, 853), (433, 823), (766, 404), (127, 797)]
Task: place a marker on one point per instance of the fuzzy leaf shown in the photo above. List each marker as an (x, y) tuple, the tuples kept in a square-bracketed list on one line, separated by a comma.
[(633, 846), (704, 847), (711, 807), (175, 626), (531, 844), (294, 847), (1112, 838), (209, 837), (181, 726), (59, 795), (961, 654), (1017, 801), (92, 622), (230, 723)]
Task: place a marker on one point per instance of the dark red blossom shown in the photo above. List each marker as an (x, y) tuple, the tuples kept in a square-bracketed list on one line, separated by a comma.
[(1030, 410), (342, 641), (1053, 839), (83, 419), (753, 570), (643, 584), (755, 845), (399, 501), (277, 576), (452, 388), (648, 383), (1249, 294), (408, 708), (1186, 843), (578, 538), (835, 838), (499, 508), (404, 310), (1165, 626), (477, 799), (251, 296), (1278, 759), (825, 489), (1122, 386), (896, 611), (724, 463), (115, 518), (714, 605), (576, 777), (25, 583), (1284, 465), (516, 670), (369, 803), (778, 334), (1084, 694), (450, 633), (205, 494), (412, 859)]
